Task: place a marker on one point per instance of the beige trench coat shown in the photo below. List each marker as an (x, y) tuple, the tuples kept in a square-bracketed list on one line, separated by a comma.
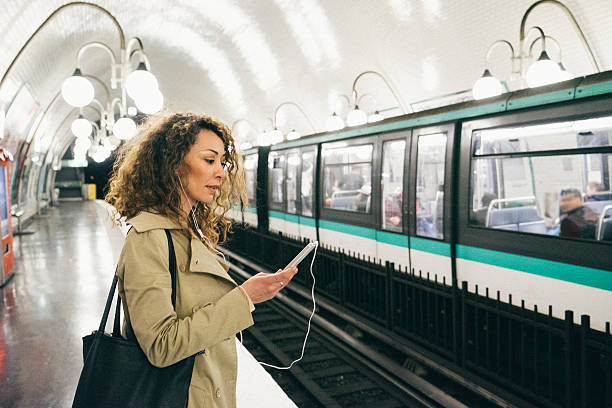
[(210, 307)]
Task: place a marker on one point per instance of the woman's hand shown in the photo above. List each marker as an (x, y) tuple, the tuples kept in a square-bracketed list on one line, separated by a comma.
[(264, 286)]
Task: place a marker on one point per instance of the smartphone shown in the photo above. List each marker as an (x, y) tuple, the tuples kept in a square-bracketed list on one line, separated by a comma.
[(303, 254)]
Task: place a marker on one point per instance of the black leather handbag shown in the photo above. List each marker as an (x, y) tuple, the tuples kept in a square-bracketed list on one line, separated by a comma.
[(116, 372)]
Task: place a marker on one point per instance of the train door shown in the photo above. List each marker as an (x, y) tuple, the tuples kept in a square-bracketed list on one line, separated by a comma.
[(430, 190), (306, 185), (392, 236), (249, 212), (292, 223), (349, 195), (276, 191)]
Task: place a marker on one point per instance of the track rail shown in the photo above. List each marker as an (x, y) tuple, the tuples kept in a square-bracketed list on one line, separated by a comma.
[(371, 374)]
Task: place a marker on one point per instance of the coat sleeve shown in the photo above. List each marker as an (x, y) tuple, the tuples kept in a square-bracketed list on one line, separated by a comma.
[(164, 338)]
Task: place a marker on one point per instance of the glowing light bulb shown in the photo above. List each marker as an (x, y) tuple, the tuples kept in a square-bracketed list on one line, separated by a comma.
[(356, 117), (565, 75), (140, 82), (487, 86), (77, 90), (276, 136), (124, 128), (375, 117), (81, 127), (293, 135), (543, 72), (263, 139), (152, 103), (82, 143), (132, 111), (334, 122)]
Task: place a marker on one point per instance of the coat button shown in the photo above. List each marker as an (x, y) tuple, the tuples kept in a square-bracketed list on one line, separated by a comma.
[(196, 261), (182, 268), (218, 393)]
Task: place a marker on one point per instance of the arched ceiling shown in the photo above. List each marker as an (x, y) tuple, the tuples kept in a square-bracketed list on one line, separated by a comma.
[(240, 60)]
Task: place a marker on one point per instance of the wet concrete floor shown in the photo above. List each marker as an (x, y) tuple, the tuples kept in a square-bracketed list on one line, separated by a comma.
[(63, 272)]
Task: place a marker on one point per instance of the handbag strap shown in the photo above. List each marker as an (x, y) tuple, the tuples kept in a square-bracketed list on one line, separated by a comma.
[(117, 324)]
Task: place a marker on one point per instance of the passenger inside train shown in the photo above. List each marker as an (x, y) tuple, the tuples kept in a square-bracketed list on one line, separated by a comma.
[(577, 221)]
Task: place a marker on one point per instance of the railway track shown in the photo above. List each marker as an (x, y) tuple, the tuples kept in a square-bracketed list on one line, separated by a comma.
[(338, 370)]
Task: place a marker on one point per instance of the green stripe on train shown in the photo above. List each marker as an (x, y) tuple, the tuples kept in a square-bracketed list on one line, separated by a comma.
[(430, 245), (582, 275), (292, 218)]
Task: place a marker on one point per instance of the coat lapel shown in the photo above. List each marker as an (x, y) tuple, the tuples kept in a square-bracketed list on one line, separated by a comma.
[(204, 261)]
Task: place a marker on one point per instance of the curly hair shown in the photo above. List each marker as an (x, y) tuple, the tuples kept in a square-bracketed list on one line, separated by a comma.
[(147, 169)]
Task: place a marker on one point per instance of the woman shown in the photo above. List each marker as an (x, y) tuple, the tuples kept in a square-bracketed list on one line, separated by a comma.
[(180, 173)]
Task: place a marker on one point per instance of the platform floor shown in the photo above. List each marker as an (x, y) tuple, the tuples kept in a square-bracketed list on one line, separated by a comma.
[(62, 275)]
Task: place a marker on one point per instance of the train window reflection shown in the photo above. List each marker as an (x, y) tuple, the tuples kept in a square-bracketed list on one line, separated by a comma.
[(565, 195), (250, 174), (276, 169), (347, 178), (392, 184), (307, 181), (431, 159), (293, 161), (552, 136)]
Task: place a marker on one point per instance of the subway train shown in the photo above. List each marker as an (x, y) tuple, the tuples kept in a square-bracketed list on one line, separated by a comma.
[(511, 193)]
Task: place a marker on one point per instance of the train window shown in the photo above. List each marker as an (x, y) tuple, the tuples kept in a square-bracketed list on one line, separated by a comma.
[(392, 184), (307, 181), (566, 195), (348, 178), (276, 176), (431, 159), (293, 162), (250, 174), (538, 138)]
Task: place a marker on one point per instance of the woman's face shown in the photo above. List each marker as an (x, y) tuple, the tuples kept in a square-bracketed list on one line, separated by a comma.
[(205, 168)]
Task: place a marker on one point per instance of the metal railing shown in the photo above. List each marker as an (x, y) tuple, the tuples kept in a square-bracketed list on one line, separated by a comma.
[(551, 362)]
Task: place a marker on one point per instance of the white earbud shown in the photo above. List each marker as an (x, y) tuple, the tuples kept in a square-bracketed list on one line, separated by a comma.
[(197, 226)]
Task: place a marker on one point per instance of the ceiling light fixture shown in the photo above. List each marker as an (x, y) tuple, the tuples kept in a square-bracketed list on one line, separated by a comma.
[(543, 71)]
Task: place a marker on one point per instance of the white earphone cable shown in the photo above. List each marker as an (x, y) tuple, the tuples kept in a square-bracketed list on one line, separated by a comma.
[(314, 308), (219, 253)]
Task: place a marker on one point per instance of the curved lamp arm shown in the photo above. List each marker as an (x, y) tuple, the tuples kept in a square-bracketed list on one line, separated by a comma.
[(572, 20), (548, 37), (314, 130), (95, 44), (51, 16), (143, 55), (111, 54), (399, 101), (494, 45), (366, 95), (237, 121), (348, 101), (111, 113), (99, 81)]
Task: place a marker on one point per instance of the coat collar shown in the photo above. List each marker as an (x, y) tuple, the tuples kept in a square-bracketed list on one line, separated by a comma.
[(202, 259), (146, 221)]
